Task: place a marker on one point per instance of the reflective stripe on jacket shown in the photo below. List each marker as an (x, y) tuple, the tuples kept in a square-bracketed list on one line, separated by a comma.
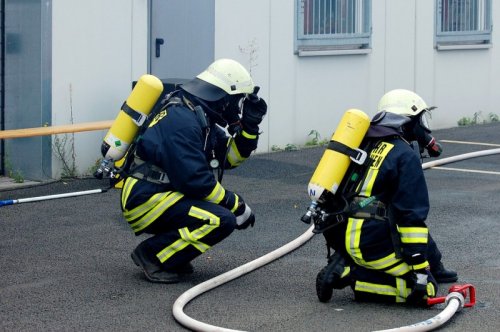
[(396, 178), (177, 143)]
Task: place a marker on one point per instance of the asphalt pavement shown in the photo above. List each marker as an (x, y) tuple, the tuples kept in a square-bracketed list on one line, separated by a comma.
[(65, 263)]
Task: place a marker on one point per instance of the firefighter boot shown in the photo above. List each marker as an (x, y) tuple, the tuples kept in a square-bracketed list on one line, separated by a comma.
[(442, 275), (334, 275), (152, 267)]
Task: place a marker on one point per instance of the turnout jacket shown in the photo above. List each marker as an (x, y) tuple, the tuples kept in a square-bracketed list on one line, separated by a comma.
[(183, 144), (396, 178)]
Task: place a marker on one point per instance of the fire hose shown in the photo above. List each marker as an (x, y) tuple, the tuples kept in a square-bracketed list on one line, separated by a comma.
[(454, 301)]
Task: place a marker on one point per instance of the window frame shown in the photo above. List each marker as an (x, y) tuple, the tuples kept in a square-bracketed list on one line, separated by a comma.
[(310, 44), (464, 39)]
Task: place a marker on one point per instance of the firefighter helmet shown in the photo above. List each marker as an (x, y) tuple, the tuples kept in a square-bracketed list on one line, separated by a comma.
[(223, 77), (402, 102)]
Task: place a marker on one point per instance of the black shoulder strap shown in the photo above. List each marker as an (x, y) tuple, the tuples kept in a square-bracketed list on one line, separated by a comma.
[(356, 173)]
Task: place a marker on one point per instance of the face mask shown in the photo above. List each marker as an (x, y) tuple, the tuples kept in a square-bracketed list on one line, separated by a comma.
[(422, 134), (231, 112)]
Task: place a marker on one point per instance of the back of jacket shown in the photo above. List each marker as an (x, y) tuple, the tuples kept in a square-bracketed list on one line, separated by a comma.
[(177, 143)]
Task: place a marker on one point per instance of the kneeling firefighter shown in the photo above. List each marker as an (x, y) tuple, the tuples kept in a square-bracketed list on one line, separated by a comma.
[(173, 189), (382, 246)]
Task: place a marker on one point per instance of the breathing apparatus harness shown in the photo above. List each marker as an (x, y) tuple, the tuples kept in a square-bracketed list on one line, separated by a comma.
[(331, 208), (346, 203), (336, 208), (137, 168)]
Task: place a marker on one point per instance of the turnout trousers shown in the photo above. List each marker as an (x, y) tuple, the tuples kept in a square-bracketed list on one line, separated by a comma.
[(376, 273), (186, 230)]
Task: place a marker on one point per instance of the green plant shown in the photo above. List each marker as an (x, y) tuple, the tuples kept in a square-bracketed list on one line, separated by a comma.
[(92, 169), (275, 148), (251, 51), (465, 121), (291, 147), (288, 147), (493, 117), (66, 154), (316, 139), (64, 147), (477, 118), (15, 175)]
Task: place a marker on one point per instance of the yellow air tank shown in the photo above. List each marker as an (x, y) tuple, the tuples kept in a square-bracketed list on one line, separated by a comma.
[(133, 113), (333, 165)]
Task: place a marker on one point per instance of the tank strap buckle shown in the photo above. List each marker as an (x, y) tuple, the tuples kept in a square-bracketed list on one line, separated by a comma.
[(360, 158), (356, 155), (136, 116), (163, 178)]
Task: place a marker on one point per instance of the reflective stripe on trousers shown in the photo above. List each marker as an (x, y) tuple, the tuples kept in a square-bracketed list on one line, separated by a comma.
[(400, 292), (143, 215), (192, 237), (388, 264)]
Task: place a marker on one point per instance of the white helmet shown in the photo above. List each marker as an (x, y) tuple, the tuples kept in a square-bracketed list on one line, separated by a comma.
[(224, 76), (402, 102)]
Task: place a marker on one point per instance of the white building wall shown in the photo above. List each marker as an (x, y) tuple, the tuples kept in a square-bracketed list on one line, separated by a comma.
[(312, 93), (98, 49), (243, 32)]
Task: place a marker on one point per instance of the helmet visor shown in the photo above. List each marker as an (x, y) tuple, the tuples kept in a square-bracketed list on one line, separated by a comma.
[(425, 118)]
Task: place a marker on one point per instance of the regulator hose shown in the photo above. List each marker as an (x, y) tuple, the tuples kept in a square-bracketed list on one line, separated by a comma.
[(199, 289)]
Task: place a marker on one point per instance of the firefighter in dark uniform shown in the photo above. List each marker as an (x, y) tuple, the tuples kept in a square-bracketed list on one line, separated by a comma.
[(175, 191), (386, 253)]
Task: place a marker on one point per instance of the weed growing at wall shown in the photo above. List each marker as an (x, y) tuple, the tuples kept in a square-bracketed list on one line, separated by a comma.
[(478, 118), (314, 140), (63, 146), (14, 174), (251, 50)]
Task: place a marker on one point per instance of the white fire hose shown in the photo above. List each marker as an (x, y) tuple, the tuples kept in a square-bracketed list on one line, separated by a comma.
[(453, 304), (455, 301)]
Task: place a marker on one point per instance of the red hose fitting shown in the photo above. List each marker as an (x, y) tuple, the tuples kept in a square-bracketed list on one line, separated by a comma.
[(465, 290)]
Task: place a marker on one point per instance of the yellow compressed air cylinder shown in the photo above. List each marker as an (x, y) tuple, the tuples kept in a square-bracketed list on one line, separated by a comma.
[(124, 129), (333, 165)]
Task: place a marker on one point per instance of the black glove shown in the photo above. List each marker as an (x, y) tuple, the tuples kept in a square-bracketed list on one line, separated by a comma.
[(244, 215), (254, 109), (424, 286)]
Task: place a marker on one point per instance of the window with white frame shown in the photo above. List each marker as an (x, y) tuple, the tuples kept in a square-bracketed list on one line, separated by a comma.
[(332, 25), (463, 23)]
